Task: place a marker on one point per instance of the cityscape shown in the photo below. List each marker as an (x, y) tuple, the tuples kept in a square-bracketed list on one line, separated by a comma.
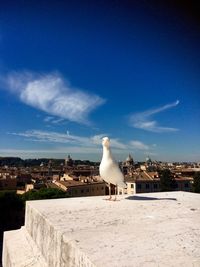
[(81, 178), (76, 75)]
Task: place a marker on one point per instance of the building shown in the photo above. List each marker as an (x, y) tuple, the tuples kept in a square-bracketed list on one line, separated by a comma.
[(129, 161), (183, 184), (146, 182), (80, 189), (143, 182), (68, 162), (8, 183), (128, 165)]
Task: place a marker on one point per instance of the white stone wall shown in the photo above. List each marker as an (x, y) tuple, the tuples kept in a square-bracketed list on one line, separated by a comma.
[(156, 229)]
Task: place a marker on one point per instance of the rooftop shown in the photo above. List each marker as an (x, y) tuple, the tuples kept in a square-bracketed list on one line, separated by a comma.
[(71, 183), (154, 229)]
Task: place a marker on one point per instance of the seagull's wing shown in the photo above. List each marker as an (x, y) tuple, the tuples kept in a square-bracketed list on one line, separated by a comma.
[(114, 174)]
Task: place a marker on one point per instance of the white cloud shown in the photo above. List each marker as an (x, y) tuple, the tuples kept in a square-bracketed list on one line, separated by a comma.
[(81, 141), (53, 95), (147, 153), (54, 137), (139, 145), (62, 151), (63, 143), (117, 144), (53, 120), (97, 139), (48, 119), (143, 120), (63, 138)]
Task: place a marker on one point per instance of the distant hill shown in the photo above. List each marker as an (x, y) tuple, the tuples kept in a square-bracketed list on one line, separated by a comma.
[(11, 161), (18, 162)]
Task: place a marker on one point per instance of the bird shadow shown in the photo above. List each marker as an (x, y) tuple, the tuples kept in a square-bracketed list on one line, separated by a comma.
[(149, 198)]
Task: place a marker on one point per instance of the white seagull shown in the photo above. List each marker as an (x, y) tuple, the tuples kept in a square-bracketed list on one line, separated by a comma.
[(109, 169)]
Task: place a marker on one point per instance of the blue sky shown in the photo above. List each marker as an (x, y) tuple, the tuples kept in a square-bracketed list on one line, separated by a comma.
[(71, 73)]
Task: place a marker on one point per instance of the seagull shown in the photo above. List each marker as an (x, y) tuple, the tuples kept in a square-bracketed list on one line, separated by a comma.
[(109, 169)]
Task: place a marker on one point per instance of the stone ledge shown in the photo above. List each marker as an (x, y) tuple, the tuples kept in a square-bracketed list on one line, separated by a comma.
[(158, 229), (19, 250)]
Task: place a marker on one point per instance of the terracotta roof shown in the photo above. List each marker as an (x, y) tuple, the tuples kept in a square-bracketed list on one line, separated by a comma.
[(184, 178), (72, 183), (153, 174), (142, 176)]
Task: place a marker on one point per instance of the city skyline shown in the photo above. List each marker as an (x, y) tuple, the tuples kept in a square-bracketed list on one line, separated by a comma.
[(72, 73)]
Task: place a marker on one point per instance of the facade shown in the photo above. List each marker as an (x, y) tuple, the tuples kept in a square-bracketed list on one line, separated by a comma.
[(183, 184), (80, 189), (8, 183), (143, 182), (146, 182)]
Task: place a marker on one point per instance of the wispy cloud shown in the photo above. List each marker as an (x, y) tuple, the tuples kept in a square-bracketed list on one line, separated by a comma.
[(54, 120), (54, 137), (138, 145), (53, 95), (58, 151), (80, 141), (97, 139), (148, 153), (143, 120), (48, 119), (61, 143), (63, 138)]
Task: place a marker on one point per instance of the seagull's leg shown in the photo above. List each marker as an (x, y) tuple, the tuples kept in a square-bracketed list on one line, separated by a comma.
[(115, 193), (110, 197), (110, 192)]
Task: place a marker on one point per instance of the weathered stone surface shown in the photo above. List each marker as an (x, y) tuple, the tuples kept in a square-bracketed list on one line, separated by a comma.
[(158, 229), (19, 250)]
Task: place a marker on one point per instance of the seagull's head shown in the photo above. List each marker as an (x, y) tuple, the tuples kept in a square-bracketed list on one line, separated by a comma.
[(105, 141)]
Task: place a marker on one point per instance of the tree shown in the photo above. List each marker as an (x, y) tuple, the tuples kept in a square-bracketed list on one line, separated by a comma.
[(12, 213), (167, 181), (44, 193), (11, 209), (196, 184)]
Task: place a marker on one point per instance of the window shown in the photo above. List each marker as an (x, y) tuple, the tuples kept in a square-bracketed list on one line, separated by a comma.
[(147, 186), (139, 186), (82, 191), (186, 185), (155, 186), (132, 185), (87, 190)]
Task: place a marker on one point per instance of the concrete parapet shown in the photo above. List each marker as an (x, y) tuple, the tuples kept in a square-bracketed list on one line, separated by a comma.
[(157, 229)]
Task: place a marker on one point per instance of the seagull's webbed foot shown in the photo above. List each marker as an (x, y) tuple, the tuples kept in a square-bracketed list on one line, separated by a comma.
[(115, 199), (110, 198)]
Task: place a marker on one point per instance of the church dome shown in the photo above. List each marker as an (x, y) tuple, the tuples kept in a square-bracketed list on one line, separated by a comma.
[(129, 158), (129, 161)]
